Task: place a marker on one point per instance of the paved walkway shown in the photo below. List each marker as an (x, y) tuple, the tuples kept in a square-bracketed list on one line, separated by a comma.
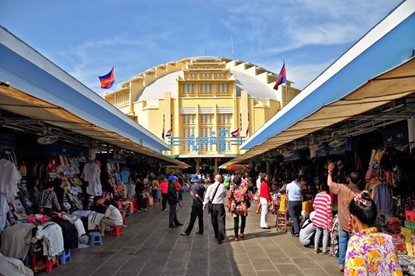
[(149, 247)]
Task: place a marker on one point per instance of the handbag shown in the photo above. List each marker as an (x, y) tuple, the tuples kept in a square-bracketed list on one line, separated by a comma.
[(247, 201), (210, 204)]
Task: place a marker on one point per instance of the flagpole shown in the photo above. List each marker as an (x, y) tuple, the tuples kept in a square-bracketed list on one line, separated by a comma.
[(115, 85)]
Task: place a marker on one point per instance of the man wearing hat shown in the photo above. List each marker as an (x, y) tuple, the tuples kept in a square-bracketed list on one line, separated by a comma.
[(173, 200), (198, 192)]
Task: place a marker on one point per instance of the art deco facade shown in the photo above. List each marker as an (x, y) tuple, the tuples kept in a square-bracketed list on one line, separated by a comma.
[(204, 107)]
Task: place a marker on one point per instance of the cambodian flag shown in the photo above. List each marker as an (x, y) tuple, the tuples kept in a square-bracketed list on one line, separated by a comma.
[(235, 133), (107, 80), (282, 77)]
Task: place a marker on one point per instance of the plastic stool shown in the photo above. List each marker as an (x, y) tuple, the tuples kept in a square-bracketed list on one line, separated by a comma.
[(65, 257), (116, 230), (49, 264), (95, 238)]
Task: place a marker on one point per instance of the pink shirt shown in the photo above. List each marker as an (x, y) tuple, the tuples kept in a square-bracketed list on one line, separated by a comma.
[(323, 217)]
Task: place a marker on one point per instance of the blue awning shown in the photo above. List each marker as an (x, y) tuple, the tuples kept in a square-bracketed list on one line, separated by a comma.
[(48, 93), (378, 69)]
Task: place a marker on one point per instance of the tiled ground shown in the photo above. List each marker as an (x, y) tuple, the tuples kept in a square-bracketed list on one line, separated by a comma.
[(149, 247)]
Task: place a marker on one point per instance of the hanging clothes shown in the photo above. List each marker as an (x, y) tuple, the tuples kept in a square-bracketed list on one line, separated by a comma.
[(383, 197), (9, 177), (91, 173)]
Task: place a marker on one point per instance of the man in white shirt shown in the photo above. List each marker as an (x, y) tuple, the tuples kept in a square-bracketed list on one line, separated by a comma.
[(112, 217), (293, 190), (216, 193)]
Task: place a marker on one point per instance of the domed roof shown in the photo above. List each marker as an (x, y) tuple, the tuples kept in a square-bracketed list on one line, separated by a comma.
[(246, 79)]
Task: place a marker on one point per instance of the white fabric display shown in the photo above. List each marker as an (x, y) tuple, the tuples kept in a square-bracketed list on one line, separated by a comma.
[(9, 177), (51, 234), (91, 174)]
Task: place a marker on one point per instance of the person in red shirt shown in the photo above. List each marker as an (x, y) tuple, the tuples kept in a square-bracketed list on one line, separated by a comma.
[(264, 199), (164, 188)]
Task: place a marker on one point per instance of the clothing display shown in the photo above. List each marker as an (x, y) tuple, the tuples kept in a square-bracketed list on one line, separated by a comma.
[(13, 267), (9, 177), (52, 238), (91, 174), (69, 232), (16, 240)]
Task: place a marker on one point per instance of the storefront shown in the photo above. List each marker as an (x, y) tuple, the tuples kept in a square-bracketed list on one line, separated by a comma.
[(360, 113), (58, 135)]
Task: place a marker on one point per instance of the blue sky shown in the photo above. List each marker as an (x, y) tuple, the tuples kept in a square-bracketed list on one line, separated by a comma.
[(85, 37)]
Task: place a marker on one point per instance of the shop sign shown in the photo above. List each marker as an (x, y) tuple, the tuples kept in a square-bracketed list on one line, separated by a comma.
[(199, 141)]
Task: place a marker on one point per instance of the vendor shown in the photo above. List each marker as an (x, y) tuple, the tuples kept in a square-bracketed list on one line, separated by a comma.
[(112, 217), (49, 203)]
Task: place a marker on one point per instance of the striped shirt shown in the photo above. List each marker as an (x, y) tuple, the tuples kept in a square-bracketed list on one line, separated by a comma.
[(322, 206)]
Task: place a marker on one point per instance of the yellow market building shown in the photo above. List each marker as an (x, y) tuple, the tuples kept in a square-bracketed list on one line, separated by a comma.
[(204, 107)]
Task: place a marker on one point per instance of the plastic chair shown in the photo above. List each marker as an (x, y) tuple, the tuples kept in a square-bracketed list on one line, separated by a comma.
[(95, 238), (65, 257)]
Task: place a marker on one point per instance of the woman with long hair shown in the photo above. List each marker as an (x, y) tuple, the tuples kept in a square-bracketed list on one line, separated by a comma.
[(368, 252)]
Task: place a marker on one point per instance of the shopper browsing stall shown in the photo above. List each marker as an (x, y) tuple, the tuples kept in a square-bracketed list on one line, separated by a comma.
[(345, 193), (323, 218), (368, 252)]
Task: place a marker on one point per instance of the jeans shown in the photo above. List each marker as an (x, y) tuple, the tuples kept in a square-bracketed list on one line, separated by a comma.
[(294, 209), (197, 212), (344, 237), (317, 237)]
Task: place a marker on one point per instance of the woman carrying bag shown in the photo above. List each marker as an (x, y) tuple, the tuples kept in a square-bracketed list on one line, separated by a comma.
[(237, 206)]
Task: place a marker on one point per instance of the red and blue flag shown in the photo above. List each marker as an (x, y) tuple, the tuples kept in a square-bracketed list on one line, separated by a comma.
[(282, 77), (107, 80), (235, 133)]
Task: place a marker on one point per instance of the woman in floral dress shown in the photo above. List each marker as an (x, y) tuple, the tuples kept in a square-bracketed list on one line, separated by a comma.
[(237, 206), (368, 252)]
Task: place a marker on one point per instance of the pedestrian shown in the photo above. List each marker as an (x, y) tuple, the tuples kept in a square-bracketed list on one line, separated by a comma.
[(265, 200), (155, 190), (237, 206), (216, 193), (173, 200), (323, 218), (293, 190), (198, 192), (258, 190), (140, 192), (164, 188), (369, 252), (345, 193)]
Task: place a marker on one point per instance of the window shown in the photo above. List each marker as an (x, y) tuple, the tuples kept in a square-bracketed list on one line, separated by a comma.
[(222, 88), (205, 88), (127, 97)]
